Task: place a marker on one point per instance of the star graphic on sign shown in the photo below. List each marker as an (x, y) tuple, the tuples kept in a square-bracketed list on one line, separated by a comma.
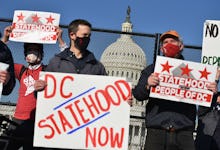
[(204, 74), (186, 70), (20, 17), (166, 67), (54, 37), (50, 20), (35, 18)]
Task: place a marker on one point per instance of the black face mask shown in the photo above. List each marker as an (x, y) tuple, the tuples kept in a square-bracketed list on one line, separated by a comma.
[(82, 43)]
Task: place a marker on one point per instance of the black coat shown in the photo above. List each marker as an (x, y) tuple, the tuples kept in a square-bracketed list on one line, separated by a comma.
[(6, 57), (67, 63)]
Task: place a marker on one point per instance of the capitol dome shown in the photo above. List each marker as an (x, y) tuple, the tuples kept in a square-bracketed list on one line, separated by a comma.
[(124, 53), (124, 57)]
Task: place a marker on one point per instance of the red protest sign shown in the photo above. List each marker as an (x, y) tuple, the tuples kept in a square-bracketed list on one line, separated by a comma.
[(183, 81), (34, 26)]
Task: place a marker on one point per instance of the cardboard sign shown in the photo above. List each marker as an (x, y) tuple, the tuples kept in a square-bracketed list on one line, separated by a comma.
[(34, 27), (82, 112), (3, 67), (184, 81), (211, 42)]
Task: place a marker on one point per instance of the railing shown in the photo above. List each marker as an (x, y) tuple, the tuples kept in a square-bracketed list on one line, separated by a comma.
[(100, 40)]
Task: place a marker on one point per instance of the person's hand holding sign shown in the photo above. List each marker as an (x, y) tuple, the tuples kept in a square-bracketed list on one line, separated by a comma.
[(4, 76), (62, 43), (6, 35), (40, 85), (130, 100), (213, 86), (153, 80)]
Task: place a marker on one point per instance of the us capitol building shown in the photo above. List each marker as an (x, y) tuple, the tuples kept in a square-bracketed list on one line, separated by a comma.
[(123, 58)]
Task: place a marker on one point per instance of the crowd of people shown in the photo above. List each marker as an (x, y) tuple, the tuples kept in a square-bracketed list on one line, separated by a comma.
[(170, 125)]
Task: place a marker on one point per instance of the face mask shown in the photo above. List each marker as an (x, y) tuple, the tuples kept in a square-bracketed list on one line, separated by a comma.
[(82, 43), (32, 58), (171, 50)]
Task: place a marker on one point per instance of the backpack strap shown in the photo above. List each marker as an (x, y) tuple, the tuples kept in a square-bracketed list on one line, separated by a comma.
[(43, 67), (23, 68)]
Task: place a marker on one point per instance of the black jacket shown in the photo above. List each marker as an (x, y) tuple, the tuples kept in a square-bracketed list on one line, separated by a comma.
[(6, 57), (67, 63), (202, 110), (164, 113)]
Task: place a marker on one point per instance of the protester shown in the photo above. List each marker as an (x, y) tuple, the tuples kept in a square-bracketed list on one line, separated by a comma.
[(6, 76), (24, 114), (208, 130), (63, 46), (76, 58), (170, 124)]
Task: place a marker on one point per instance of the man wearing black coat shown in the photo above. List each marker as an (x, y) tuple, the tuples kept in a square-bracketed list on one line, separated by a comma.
[(170, 124)]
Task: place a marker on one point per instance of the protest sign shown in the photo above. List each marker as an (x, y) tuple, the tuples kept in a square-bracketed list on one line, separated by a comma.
[(211, 42), (82, 112), (34, 26), (3, 67), (183, 81)]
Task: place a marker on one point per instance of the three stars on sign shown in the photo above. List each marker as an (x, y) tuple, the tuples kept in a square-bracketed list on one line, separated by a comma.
[(185, 70), (36, 18)]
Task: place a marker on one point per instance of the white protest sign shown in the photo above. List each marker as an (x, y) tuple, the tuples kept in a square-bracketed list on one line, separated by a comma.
[(82, 112), (34, 26), (211, 42), (3, 67), (184, 81)]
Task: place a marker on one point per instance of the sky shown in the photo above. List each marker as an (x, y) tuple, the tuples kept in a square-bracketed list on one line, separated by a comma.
[(147, 16)]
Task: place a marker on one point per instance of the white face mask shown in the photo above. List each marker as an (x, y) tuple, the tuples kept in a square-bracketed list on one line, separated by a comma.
[(32, 59)]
